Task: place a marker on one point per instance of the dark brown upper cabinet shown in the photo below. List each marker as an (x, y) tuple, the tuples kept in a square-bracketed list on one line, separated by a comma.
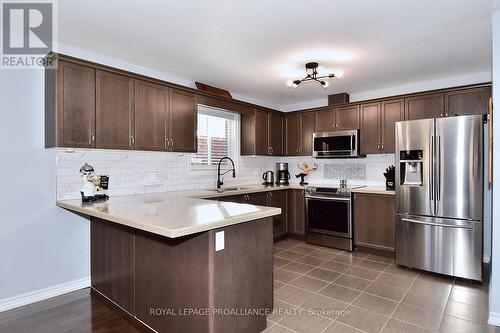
[(467, 101), (293, 134), (424, 106), (261, 132), (276, 134), (377, 125), (114, 111), (151, 114), (392, 112), (307, 130), (299, 130), (182, 121), (347, 117), (370, 128), (325, 120), (70, 106)]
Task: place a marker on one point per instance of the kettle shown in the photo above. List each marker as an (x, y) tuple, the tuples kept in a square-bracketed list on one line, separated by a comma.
[(268, 177)]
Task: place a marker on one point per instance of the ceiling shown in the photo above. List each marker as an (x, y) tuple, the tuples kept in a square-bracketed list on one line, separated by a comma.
[(252, 48)]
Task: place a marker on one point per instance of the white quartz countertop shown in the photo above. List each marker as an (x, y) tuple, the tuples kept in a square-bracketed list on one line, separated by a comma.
[(182, 213), (175, 214), (373, 190)]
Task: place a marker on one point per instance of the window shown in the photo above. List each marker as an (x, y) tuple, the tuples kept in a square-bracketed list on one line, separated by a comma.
[(216, 137)]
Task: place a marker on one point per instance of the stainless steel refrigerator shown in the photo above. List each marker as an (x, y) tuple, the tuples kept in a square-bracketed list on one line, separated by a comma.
[(439, 195)]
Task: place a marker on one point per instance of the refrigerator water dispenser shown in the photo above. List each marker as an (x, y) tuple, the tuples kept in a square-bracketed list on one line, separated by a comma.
[(411, 167)]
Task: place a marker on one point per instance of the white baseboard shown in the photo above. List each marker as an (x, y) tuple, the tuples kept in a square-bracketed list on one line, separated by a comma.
[(486, 259), (494, 318), (40, 295)]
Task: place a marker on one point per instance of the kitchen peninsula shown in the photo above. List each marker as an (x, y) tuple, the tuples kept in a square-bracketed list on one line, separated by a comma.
[(182, 264)]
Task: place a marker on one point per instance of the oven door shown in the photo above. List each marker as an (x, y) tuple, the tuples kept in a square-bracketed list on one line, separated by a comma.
[(329, 215), (335, 144)]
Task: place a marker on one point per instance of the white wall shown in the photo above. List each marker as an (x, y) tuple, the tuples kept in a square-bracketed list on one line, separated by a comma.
[(41, 246), (494, 317)]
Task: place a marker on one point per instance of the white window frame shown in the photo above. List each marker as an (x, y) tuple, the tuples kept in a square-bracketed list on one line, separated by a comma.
[(218, 112)]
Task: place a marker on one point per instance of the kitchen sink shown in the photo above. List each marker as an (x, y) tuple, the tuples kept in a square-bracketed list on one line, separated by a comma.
[(226, 189)]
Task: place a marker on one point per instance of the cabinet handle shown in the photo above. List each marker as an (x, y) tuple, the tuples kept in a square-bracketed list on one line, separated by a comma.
[(382, 146), (92, 137), (172, 143), (131, 141)]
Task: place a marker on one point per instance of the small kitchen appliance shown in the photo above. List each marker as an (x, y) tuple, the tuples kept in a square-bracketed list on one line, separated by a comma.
[(94, 187), (282, 174), (268, 178)]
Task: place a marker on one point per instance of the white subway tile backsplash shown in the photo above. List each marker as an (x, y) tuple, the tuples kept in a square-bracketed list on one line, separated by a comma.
[(135, 172)]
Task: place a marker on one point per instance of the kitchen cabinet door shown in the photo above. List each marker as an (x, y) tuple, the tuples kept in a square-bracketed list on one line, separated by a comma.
[(183, 115), (247, 145), (374, 221), (114, 111), (467, 101), (258, 199), (75, 93), (261, 132), (325, 120), (370, 128), (424, 106), (279, 199), (347, 117), (307, 130), (292, 134), (392, 112), (275, 132), (151, 109), (296, 212)]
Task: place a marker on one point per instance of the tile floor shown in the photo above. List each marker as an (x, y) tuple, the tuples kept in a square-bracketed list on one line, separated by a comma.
[(318, 289)]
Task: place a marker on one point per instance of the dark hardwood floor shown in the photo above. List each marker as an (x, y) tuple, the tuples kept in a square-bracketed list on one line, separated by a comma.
[(79, 311)]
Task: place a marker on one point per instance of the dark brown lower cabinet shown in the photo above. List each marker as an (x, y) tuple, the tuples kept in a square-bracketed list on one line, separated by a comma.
[(274, 199), (112, 262), (296, 216), (182, 285), (374, 221), (279, 199)]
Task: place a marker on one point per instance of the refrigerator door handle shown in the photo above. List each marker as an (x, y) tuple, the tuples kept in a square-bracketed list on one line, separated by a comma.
[(459, 226), (431, 174), (438, 187)]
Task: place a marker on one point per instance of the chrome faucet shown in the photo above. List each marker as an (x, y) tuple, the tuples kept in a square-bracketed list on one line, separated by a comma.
[(219, 181)]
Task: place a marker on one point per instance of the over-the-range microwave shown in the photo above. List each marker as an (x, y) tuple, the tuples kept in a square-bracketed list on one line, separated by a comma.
[(336, 144)]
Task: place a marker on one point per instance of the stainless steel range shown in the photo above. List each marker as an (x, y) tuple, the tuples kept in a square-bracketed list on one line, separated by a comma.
[(329, 216)]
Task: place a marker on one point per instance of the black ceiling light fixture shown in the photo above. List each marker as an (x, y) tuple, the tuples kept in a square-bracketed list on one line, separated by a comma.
[(312, 75)]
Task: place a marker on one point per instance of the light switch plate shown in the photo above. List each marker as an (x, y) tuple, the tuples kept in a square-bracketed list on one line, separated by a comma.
[(219, 241)]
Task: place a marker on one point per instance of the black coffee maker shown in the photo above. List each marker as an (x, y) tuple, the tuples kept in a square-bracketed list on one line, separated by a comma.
[(282, 174)]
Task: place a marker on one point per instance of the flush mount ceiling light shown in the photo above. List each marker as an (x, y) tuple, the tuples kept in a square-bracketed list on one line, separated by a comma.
[(312, 75)]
